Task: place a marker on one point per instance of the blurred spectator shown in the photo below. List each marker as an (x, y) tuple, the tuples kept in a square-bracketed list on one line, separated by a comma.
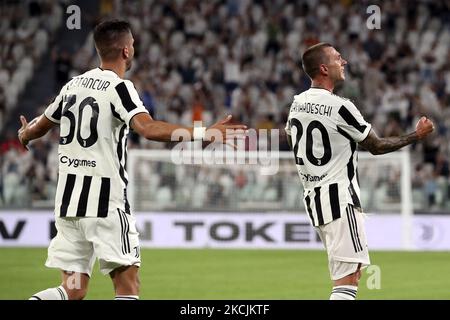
[(197, 60), (63, 66), (25, 32)]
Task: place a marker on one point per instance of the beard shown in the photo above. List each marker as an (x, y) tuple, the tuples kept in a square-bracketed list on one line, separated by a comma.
[(128, 65), (339, 78)]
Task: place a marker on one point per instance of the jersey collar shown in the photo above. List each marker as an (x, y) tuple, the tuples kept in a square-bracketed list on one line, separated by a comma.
[(319, 88), (109, 71)]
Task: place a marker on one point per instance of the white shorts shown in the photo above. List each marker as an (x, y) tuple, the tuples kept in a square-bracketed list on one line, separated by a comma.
[(345, 242), (114, 240)]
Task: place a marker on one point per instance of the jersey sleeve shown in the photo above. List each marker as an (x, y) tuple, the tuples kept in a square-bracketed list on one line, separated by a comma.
[(129, 104), (53, 111), (350, 120), (288, 126)]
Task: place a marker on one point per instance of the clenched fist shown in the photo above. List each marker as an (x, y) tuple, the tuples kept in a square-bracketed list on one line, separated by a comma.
[(424, 127)]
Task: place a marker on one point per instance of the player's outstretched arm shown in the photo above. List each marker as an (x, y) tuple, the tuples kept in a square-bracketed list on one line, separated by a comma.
[(151, 129), (377, 145), (38, 127)]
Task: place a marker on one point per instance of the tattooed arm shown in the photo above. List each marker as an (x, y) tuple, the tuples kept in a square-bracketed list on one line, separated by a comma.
[(378, 145)]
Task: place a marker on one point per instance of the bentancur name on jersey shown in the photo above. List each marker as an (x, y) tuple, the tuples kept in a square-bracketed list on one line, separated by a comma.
[(89, 83), (313, 108)]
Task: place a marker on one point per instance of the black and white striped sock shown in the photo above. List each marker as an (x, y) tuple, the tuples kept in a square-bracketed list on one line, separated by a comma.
[(58, 293), (345, 292), (126, 297)]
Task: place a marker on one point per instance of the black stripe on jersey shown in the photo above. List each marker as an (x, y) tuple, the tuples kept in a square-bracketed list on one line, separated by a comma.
[(127, 231), (350, 119), (350, 166), (126, 152), (345, 134), (127, 204), (122, 231), (351, 169), (356, 227), (354, 196), (61, 293), (125, 227), (57, 114), (334, 201), (351, 173), (103, 199), (351, 230), (82, 203), (124, 96), (114, 112), (318, 206), (308, 207), (68, 188), (122, 154)]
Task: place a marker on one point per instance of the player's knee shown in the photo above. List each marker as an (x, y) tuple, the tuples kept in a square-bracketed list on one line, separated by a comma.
[(355, 278), (351, 279), (126, 281), (75, 285)]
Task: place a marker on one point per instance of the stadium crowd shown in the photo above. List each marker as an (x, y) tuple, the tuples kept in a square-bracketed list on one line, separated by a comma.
[(198, 60), (24, 38)]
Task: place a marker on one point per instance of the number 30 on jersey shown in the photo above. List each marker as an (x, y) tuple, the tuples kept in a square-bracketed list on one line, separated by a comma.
[(76, 120)]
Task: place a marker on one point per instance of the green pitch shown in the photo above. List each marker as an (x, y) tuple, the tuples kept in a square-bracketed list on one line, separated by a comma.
[(239, 274)]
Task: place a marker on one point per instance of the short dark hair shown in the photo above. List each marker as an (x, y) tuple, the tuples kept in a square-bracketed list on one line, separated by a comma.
[(107, 37), (313, 57)]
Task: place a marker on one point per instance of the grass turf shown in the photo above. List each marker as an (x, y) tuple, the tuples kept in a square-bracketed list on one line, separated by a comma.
[(238, 274)]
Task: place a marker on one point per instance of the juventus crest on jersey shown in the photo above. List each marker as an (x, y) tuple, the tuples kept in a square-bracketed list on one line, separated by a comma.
[(324, 130), (94, 112)]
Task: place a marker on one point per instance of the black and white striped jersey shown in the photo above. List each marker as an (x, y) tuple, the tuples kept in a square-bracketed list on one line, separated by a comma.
[(93, 111), (324, 130)]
